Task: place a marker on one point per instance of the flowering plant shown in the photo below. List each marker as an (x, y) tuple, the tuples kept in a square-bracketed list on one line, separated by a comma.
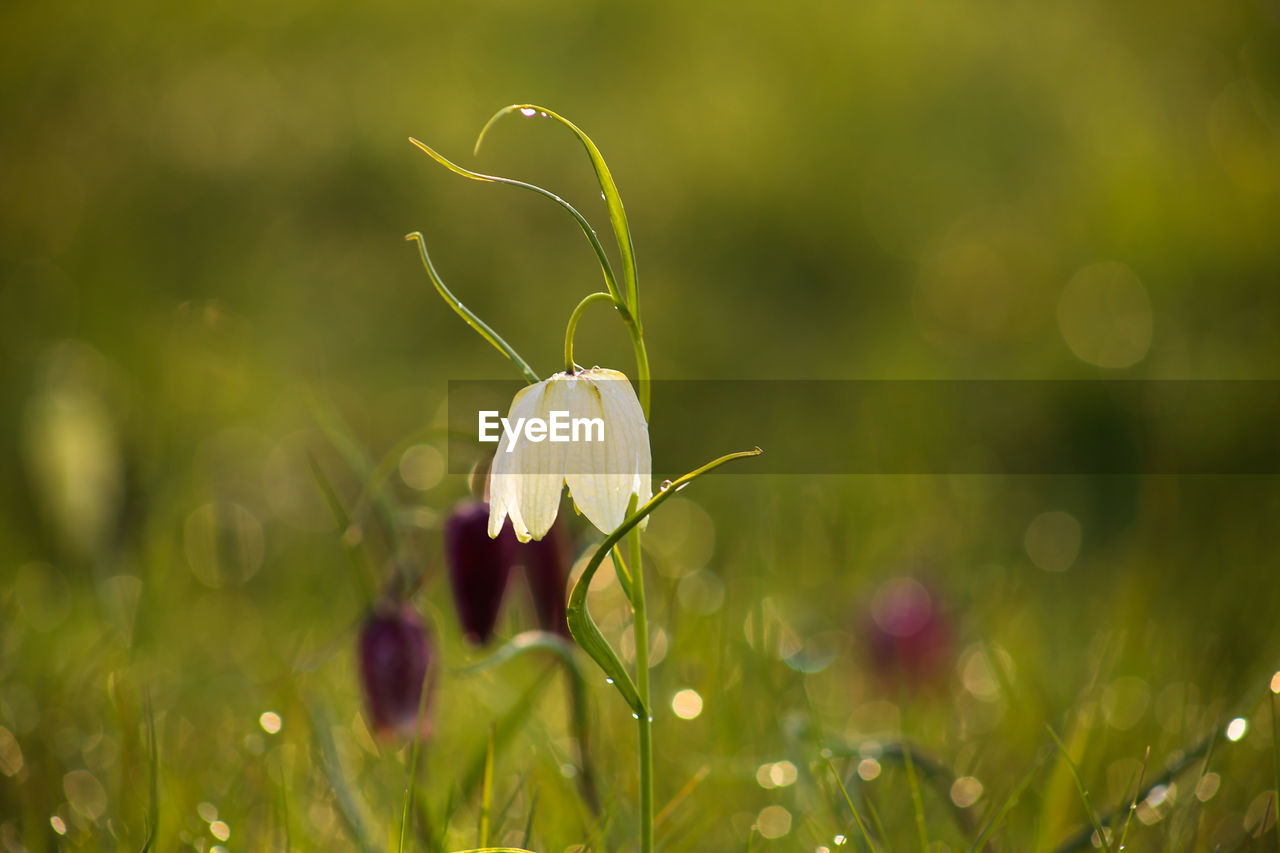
[(609, 481)]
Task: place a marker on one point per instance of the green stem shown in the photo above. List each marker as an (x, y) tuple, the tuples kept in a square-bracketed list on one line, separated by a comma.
[(644, 720), (572, 328), (587, 634), (481, 327)]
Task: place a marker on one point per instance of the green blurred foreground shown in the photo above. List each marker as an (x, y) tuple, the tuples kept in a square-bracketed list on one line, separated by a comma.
[(205, 299)]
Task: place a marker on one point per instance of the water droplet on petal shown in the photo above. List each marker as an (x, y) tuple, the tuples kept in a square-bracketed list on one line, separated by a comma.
[(608, 681), (544, 115), (528, 112), (634, 715)]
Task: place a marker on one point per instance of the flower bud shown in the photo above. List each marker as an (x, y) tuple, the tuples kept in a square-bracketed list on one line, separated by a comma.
[(478, 568), (546, 566), (396, 661), (908, 637)]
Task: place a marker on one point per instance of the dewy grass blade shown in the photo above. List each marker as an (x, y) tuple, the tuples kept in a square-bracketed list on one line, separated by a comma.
[(862, 827), (1084, 794), (999, 815), (1133, 804), (480, 326), (610, 280), (613, 201)]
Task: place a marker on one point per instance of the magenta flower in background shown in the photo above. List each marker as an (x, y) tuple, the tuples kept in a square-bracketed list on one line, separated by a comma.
[(908, 637), (397, 659), (478, 568)]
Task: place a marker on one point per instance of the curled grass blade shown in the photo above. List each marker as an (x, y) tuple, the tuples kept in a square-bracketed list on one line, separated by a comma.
[(562, 649), (613, 201), (606, 268), (583, 628), (504, 730)]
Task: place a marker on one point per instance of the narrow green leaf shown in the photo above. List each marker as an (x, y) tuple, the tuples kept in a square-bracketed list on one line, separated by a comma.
[(613, 201), (583, 627), (470, 317)]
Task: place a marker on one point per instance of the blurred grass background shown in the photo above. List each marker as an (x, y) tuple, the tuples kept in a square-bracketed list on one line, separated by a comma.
[(200, 229)]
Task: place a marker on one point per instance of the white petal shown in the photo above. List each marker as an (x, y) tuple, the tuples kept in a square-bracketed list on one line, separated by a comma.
[(510, 484), (541, 464), (602, 476)]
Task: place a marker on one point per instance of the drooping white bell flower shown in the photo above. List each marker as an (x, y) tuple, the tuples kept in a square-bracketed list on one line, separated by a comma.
[(603, 467)]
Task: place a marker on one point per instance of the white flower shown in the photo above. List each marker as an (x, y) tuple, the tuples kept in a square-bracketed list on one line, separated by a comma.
[(602, 475)]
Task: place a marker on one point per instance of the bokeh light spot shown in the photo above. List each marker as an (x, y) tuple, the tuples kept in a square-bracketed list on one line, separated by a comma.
[(773, 822), (868, 769), (224, 544), (1105, 316), (270, 722), (1236, 729), (58, 824), (1207, 787), (10, 753), (965, 791), (1053, 540), (85, 793), (686, 704), (422, 467)]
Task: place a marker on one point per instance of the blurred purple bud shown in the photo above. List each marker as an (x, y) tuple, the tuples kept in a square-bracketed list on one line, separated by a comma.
[(546, 565), (908, 637), (397, 659), (478, 568)]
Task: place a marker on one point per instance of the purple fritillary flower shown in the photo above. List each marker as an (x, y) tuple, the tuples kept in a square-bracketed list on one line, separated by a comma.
[(478, 568), (397, 659)]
